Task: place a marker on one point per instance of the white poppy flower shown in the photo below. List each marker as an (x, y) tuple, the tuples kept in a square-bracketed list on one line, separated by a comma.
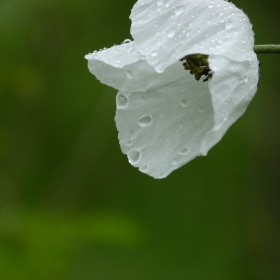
[(165, 117)]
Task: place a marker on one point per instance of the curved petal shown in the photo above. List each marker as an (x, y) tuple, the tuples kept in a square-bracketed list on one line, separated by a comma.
[(232, 87), (164, 128), (124, 68), (166, 31)]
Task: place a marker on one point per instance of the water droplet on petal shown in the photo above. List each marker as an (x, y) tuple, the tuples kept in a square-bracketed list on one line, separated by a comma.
[(228, 25), (134, 156), (171, 32), (126, 41), (184, 102), (201, 109), (245, 79), (122, 101), (145, 120), (154, 53), (160, 3), (130, 49), (210, 6), (144, 168), (128, 143), (184, 151), (179, 10), (129, 74), (174, 162)]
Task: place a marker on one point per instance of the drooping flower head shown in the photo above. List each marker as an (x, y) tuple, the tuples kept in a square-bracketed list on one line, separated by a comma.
[(186, 78)]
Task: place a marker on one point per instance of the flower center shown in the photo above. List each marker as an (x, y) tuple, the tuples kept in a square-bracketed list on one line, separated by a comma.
[(198, 64)]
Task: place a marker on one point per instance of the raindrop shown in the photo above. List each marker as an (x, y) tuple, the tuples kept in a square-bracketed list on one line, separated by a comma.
[(245, 79), (144, 168), (160, 3), (122, 101), (154, 53), (128, 143), (134, 156), (174, 162), (179, 10), (130, 49), (210, 6), (201, 109), (184, 151), (228, 25), (126, 41), (145, 120), (184, 102), (171, 32), (129, 74)]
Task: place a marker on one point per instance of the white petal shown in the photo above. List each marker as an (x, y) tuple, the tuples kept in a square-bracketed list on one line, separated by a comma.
[(124, 68), (232, 87), (166, 127), (166, 33)]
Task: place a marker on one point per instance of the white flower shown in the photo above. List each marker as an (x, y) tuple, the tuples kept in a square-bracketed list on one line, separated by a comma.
[(166, 117)]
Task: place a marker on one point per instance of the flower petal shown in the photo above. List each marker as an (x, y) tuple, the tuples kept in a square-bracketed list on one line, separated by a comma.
[(165, 127), (166, 31), (124, 68), (233, 85)]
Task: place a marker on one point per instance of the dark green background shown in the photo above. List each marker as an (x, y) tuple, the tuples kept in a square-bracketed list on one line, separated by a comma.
[(72, 207)]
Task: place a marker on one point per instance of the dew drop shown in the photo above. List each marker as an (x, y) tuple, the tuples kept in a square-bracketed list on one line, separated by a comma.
[(171, 32), (128, 143), (179, 10), (154, 53), (228, 25), (144, 168), (134, 156), (174, 162), (126, 41), (145, 120), (184, 102), (130, 49), (184, 151), (245, 79), (210, 6), (122, 101), (129, 74), (160, 3), (201, 109)]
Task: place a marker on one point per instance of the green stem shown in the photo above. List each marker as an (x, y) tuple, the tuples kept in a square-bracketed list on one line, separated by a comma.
[(266, 49)]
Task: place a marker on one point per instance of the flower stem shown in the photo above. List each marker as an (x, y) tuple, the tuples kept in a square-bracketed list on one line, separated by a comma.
[(266, 49)]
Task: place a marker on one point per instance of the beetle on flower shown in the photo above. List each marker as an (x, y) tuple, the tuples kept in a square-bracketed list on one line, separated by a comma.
[(186, 78)]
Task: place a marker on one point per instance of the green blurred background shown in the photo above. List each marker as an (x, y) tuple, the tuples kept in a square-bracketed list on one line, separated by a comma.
[(72, 207)]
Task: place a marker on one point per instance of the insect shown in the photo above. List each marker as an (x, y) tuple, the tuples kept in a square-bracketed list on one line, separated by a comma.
[(198, 66)]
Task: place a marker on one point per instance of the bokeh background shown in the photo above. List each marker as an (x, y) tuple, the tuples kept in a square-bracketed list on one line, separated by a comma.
[(72, 207)]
